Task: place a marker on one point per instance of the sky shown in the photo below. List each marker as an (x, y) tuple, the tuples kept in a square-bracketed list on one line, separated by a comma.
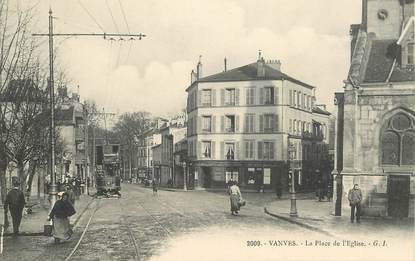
[(309, 37)]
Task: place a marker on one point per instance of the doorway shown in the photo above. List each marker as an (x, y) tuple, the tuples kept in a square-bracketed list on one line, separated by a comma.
[(207, 177), (398, 195)]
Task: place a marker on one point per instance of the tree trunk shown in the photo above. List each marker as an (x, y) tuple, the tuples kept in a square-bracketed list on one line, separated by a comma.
[(32, 172), (21, 175), (3, 183)]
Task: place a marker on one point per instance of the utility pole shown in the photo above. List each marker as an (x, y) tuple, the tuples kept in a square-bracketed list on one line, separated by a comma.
[(50, 35)]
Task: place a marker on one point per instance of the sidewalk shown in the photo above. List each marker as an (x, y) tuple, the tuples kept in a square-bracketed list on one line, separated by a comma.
[(32, 224), (316, 216)]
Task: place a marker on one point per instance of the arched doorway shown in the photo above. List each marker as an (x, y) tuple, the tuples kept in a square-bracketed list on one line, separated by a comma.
[(398, 153)]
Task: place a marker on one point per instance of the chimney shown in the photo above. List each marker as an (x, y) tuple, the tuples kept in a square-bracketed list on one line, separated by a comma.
[(225, 61), (199, 68), (274, 64), (260, 66), (193, 77)]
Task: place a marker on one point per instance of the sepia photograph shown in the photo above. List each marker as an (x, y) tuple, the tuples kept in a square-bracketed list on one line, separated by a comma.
[(195, 130)]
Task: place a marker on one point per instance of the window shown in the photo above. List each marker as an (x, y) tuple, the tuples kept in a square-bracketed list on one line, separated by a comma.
[(206, 97), (410, 54), (207, 123), (249, 149), (230, 123), (250, 96), (308, 102), (294, 98), (294, 125), (291, 126), (230, 151), (298, 99), (249, 123), (269, 122), (291, 97), (230, 96), (268, 150), (269, 95), (231, 174), (398, 141), (207, 149), (304, 101)]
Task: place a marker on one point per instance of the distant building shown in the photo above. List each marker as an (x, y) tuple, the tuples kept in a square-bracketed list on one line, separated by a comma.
[(242, 122), (71, 125), (376, 112)]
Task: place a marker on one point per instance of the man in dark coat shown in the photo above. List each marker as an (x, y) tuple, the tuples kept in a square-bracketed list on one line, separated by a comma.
[(355, 199), (15, 202)]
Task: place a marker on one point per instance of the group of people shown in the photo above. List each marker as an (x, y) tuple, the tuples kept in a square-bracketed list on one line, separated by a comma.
[(63, 208)]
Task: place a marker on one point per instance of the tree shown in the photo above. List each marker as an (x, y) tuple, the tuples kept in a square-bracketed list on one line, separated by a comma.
[(16, 56), (128, 127)]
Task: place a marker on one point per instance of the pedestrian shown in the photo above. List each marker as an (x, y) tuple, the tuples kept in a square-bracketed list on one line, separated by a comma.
[(154, 184), (60, 214), (14, 202), (355, 199), (235, 198), (70, 194)]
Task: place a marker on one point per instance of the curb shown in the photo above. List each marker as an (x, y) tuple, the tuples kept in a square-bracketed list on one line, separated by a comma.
[(296, 222), (33, 234)]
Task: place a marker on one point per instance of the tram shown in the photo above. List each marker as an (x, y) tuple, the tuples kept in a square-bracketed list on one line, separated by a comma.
[(107, 174)]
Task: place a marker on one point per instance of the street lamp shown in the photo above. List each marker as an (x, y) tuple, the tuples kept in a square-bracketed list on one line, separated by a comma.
[(291, 176)]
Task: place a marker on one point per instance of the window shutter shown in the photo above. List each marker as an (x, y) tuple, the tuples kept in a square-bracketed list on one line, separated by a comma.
[(237, 96), (246, 146), (213, 124), (199, 98), (291, 97), (222, 123), (213, 150), (253, 124), (276, 95), (198, 149), (246, 119), (276, 122), (222, 150), (213, 97), (260, 150), (247, 95), (199, 124), (261, 96), (251, 147), (261, 123), (237, 123), (272, 151), (222, 97), (253, 96), (237, 150)]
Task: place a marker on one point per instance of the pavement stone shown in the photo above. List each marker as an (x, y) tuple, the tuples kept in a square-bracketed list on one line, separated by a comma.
[(316, 215), (32, 224)]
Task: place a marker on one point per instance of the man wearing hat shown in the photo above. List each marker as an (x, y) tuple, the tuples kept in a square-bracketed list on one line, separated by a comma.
[(15, 202), (355, 199)]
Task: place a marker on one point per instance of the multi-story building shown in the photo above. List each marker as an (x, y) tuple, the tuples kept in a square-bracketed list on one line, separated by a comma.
[(376, 112), (71, 125), (241, 123)]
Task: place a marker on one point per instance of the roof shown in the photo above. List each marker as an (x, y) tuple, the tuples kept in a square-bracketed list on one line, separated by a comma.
[(320, 111), (374, 60), (249, 73)]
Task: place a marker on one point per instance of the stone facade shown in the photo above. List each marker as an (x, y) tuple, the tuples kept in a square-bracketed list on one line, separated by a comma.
[(378, 106)]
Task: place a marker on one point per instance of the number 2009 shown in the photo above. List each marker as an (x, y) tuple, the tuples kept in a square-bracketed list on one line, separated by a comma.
[(253, 243)]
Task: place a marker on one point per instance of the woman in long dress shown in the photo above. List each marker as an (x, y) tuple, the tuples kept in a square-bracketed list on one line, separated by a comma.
[(59, 214), (235, 197)]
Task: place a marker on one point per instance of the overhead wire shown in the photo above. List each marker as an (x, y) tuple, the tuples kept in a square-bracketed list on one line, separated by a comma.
[(112, 16), (91, 16)]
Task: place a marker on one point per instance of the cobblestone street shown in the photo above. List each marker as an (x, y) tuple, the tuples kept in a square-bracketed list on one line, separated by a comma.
[(182, 225)]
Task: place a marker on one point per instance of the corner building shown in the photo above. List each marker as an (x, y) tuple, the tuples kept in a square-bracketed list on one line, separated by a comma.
[(240, 123)]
